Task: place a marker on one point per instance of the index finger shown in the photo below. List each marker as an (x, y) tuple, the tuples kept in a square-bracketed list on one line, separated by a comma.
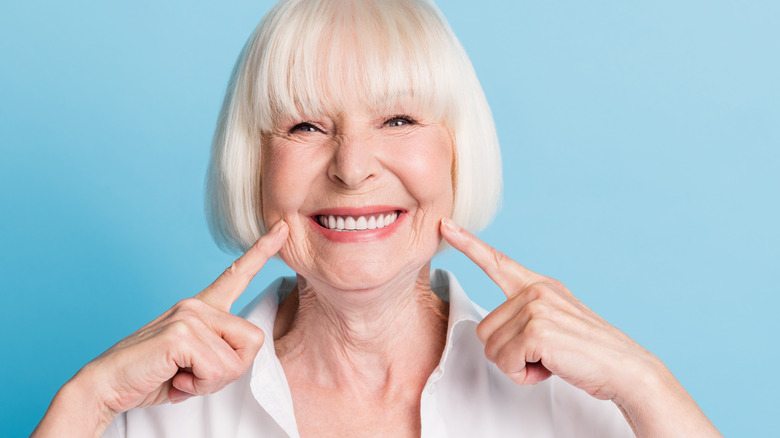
[(226, 289), (510, 276)]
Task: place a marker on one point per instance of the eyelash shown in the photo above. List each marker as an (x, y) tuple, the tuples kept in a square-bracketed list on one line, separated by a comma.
[(312, 128), (406, 119), (304, 125)]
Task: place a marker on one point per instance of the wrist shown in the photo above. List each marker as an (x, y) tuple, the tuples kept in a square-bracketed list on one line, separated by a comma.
[(644, 382), (84, 388), (657, 405), (76, 410)]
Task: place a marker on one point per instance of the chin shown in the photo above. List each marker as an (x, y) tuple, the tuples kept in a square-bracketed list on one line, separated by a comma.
[(361, 260), (358, 272)]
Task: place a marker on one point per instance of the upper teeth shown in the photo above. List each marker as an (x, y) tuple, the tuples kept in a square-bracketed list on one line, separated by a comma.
[(346, 223)]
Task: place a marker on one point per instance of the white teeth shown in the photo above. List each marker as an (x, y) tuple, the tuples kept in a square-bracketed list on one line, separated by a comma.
[(359, 223)]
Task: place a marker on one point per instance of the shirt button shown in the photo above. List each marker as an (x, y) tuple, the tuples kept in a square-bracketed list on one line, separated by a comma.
[(432, 388)]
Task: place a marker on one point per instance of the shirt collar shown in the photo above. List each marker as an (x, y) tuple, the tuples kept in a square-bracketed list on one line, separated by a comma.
[(463, 317), (268, 382), (446, 286)]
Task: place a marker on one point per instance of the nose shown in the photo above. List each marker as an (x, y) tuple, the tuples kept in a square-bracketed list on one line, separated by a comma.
[(354, 161)]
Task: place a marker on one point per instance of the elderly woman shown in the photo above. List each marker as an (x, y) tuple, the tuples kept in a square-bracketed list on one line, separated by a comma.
[(354, 135)]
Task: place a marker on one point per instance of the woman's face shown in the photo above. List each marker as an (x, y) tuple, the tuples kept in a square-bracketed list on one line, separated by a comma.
[(362, 191)]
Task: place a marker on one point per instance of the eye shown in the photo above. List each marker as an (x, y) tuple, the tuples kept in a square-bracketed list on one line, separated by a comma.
[(304, 127), (401, 120)]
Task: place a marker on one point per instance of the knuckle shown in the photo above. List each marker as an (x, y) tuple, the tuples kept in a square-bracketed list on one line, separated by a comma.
[(215, 375), (537, 309), (188, 305), (489, 353), (505, 363), (256, 338), (538, 291), (558, 288), (555, 283), (178, 330), (537, 330), (233, 270), (234, 370), (187, 309), (498, 258), (493, 349), (483, 332), (257, 332)]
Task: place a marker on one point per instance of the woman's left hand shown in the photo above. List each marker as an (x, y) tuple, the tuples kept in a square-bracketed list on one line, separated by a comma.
[(542, 329)]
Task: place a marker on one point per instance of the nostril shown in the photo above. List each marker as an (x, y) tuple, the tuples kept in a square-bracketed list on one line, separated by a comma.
[(353, 164), (351, 178)]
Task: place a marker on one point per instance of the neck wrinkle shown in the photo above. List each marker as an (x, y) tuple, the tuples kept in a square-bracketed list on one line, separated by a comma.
[(366, 342)]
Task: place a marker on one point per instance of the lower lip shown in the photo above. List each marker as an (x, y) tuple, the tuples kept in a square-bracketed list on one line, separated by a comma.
[(355, 236)]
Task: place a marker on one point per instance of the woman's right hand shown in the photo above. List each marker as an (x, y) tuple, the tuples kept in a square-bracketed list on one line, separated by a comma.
[(195, 348)]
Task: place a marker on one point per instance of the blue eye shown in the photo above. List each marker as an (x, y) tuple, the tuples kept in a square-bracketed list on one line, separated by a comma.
[(400, 121), (304, 127)]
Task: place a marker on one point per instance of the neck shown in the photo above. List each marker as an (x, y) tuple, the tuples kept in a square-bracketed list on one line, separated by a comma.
[(364, 340)]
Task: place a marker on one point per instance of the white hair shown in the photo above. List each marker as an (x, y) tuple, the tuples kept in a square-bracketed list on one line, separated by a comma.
[(305, 56)]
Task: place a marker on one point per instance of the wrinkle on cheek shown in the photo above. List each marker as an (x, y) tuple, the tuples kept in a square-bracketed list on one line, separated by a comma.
[(425, 217), (295, 252), (417, 226)]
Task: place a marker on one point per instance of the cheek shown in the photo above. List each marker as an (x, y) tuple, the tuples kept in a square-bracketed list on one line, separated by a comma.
[(287, 181), (285, 185), (281, 199), (427, 173)]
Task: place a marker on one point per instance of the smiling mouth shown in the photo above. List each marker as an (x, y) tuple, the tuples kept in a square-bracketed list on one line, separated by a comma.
[(357, 223)]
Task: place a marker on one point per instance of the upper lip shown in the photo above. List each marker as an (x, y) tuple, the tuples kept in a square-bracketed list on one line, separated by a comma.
[(358, 211)]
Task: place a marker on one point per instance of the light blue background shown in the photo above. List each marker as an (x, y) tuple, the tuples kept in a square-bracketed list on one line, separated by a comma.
[(641, 151)]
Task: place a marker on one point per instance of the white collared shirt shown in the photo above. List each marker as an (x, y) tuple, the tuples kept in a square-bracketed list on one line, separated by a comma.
[(465, 396)]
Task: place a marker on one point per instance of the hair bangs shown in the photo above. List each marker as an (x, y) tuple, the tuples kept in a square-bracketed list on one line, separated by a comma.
[(376, 53), (310, 59)]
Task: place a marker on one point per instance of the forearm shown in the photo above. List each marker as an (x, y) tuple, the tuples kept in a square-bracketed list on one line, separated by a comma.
[(75, 411), (658, 406)]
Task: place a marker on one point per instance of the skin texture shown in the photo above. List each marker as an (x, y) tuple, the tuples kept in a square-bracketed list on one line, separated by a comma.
[(359, 158), (195, 348), (363, 309), (542, 329)]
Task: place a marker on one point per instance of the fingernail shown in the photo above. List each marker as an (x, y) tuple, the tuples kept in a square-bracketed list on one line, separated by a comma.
[(279, 225), (277, 228), (273, 233), (450, 225)]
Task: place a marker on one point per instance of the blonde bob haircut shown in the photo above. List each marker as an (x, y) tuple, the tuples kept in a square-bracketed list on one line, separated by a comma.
[(301, 61)]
